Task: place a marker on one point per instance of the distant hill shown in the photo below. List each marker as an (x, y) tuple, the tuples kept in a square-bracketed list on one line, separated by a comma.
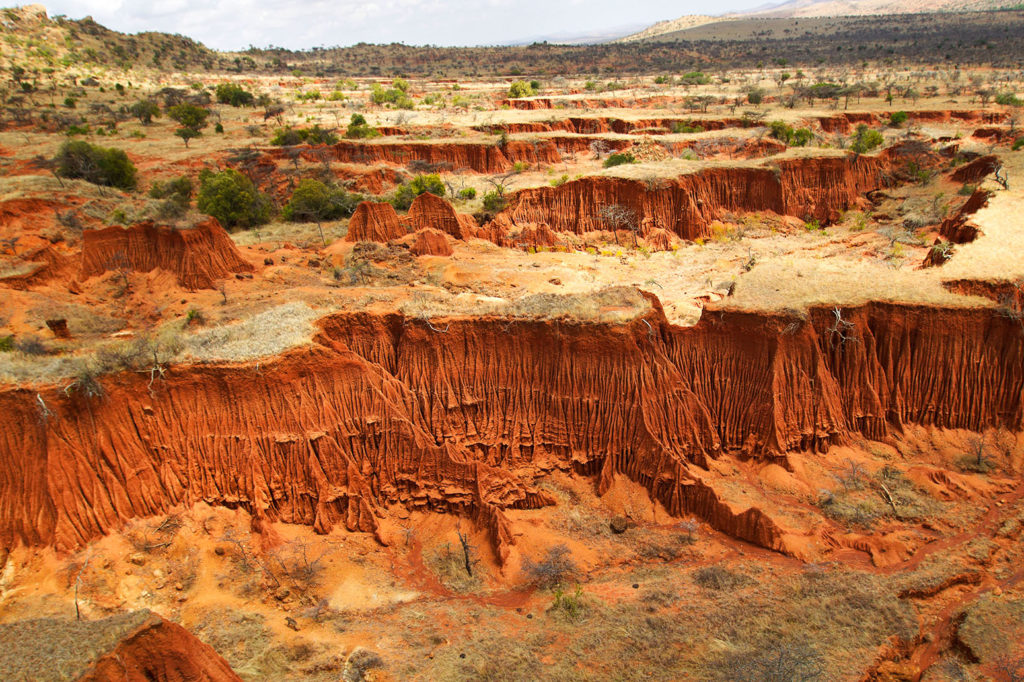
[(822, 8)]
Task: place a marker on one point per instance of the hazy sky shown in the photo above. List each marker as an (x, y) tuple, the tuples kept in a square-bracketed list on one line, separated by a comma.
[(233, 24)]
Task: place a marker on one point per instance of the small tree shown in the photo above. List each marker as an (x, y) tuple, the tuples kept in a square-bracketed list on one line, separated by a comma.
[(235, 95), (865, 139), (187, 134), (316, 202), (145, 110), (618, 217), (233, 199), (189, 115)]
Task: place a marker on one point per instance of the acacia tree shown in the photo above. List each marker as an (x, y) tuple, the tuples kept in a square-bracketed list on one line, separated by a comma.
[(618, 217)]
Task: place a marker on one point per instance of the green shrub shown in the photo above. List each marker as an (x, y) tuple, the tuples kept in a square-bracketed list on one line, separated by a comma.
[(405, 193), (232, 199), (619, 159), (695, 78), (395, 95), (7, 343), (1008, 99), (494, 201), (865, 139), (684, 127), (898, 118), (780, 130), (1017, 144), (95, 164), (235, 95), (467, 193), (178, 190), (358, 128), (755, 96), (520, 89), (314, 201), (287, 137)]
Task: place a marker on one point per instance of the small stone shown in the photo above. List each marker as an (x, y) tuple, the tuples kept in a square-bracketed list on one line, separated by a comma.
[(290, 622), (636, 586), (555, 281), (219, 551), (179, 587), (282, 594), (619, 525), (268, 261), (462, 655), (137, 559)]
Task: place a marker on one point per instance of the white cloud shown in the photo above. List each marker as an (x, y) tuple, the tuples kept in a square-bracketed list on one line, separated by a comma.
[(235, 24)]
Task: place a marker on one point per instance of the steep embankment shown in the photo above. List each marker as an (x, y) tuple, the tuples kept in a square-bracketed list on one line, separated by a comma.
[(820, 188), (197, 256), (383, 410)]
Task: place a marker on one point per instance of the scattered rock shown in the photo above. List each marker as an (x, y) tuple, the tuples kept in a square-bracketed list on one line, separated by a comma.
[(619, 525), (290, 622)]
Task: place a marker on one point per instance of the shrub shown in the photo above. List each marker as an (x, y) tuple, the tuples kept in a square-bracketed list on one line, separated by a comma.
[(554, 569), (145, 111), (755, 96), (231, 198), (314, 201), (235, 95), (695, 78), (865, 139), (467, 193), (95, 164), (494, 201), (288, 137), (520, 89), (395, 95), (219, 128), (1017, 144), (178, 190), (897, 118), (358, 128), (1008, 99), (6, 343), (719, 578), (619, 159), (405, 193)]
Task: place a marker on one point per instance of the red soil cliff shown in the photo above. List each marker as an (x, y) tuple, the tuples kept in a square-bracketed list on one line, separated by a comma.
[(198, 256), (431, 242), (820, 188), (431, 211), (386, 410), (374, 222)]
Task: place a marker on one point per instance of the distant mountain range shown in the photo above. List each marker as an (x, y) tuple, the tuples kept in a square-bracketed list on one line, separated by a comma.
[(822, 8)]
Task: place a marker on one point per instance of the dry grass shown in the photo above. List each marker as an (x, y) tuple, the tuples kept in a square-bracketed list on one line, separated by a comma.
[(265, 334)]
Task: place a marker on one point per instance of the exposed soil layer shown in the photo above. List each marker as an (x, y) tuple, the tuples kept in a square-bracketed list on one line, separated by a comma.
[(197, 256), (385, 409)]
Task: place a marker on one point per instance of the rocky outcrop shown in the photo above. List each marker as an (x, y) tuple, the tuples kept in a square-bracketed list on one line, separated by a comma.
[(198, 256), (976, 170), (374, 222), (431, 242), (386, 410), (431, 211), (806, 188), (134, 647)]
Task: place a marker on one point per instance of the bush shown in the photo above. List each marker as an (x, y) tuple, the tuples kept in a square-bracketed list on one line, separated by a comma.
[(314, 201), (1017, 144), (404, 194), (719, 578), (1008, 99), (396, 95), (95, 164), (467, 193), (520, 89), (695, 78), (554, 569), (235, 95), (619, 159), (288, 137), (897, 118), (6, 343), (755, 96), (231, 198), (865, 139), (494, 201), (358, 128), (178, 190)]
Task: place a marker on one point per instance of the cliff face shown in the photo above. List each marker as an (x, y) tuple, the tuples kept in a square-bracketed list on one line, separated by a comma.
[(382, 410), (198, 256), (820, 188)]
